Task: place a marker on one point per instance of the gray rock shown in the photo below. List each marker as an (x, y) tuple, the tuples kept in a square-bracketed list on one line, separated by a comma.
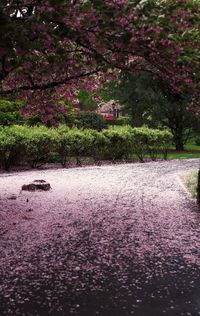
[(12, 197), (37, 185)]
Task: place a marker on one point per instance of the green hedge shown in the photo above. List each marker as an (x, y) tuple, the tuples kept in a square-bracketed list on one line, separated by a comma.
[(119, 142), (146, 141), (122, 121), (37, 145), (12, 145), (91, 120)]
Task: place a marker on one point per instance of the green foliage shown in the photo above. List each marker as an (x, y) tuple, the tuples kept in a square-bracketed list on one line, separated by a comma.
[(24, 144), (98, 146), (150, 141), (40, 142), (191, 183), (10, 113), (197, 140), (122, 121), (148, 102), (138, 93), (91, 120), (118, 142), (38, 145), (74, 143), (86, 100), (64, 148), (69, 116), (140, 142), (12, 145), (33, 120)]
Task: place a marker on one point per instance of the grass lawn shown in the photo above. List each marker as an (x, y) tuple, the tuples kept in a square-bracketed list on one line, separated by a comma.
[(183, 154), (191, 151), (191, 183), (173, 154)]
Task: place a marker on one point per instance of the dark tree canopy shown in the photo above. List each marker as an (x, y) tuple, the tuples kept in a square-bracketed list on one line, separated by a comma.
[(51, 49)]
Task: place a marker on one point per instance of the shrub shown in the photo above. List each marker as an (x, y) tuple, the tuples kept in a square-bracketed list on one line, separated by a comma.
[(64, 143), (139, 141), (12, 147), (157, 142), (7, 143), (75, 143), (153, 138), (197, 141), (38, 145), (118, 142), (40, 142), (91, 120), (164, 141), (122, 121), (10, 113), (61, 129), (98, 146), (150, 141)]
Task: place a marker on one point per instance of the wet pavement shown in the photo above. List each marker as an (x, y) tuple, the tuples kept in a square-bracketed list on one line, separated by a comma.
[(115, 240)]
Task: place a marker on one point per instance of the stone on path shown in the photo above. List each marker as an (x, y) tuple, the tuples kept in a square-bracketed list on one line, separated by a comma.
[(37, 185), (12, 197)]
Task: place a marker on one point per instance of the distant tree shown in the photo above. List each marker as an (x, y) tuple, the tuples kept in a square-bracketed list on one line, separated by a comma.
[(148, 102), (87, 101), (91, 120)]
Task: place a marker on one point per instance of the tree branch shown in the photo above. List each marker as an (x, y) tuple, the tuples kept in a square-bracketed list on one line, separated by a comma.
[(49, 85)]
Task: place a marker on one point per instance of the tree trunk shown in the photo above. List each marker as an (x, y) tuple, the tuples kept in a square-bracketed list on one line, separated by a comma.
[(179, 138), (179, 145)]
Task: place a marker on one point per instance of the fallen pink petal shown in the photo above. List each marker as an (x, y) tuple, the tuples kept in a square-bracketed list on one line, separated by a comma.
[(110, 240)]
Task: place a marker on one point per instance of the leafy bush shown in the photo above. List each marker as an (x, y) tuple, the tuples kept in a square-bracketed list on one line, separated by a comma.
[(39, 143), (197, 141), (12, 145), (118, 142), (7, 142), (139, 138), (165, 139), (61, 129), (147, 141), (122, 121), (74, 143), (98, 146), (20, 144), (64, 145), (91, 120), (10, 113)]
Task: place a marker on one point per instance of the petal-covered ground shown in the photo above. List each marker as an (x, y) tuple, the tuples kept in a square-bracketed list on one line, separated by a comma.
[(110, 241)]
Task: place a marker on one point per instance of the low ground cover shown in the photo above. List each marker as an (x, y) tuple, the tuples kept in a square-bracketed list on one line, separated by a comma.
[(192, 150), (191, 183)]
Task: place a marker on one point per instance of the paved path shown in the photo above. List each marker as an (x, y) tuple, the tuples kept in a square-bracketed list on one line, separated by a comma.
[(110, 241)]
